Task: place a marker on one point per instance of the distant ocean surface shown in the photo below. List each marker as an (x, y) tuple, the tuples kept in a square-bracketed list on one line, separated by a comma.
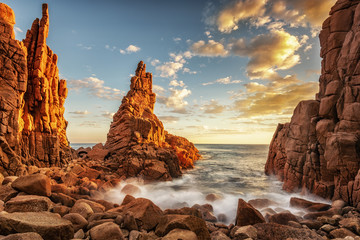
[(233, 171)]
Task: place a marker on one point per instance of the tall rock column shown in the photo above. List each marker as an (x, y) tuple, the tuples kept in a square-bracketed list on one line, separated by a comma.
[(137, 144), (13, 82), (44, 140), (319, 150)]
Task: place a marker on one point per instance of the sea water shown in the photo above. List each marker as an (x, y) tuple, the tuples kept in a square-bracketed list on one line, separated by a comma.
[(231, 171)]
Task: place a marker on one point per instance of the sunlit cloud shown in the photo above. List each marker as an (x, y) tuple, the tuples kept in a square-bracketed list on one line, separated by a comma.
[(278, 99), (108, 115), (130, 49), (228, 18), (176, 100), (80, 112), (169, 119), (268, 53), (209, 49), (177, 61), (176, 83), (226, 80), (213, 107), (96, 87)]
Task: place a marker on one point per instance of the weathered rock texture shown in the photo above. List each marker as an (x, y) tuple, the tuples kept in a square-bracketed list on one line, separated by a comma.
[(137, 144), (319, 150), (32, 126)]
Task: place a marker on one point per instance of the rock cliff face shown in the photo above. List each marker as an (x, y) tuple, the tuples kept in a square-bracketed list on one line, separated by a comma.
[(319, 150), (137, 144), (33, 129)]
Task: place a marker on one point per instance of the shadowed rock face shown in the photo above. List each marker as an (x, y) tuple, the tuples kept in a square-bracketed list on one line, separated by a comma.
[(32, 129), (319, 150), (137, 144)]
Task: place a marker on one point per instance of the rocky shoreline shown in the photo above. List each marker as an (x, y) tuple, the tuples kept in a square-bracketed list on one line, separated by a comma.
[(54, 203)]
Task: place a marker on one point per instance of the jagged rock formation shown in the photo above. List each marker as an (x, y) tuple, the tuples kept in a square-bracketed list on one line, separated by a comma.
[(137, 143), (33, 129), (319, 150)]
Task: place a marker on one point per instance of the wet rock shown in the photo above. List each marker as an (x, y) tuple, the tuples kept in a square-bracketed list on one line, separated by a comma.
[(212, 197), (352, 224), (78, 221), (130, 189), (23, 236), (176, 234), (63, 199), (79, 234), (194, 224), (144, 210), (61, 210), (83, 209), (261, 203), (184, 211), (245, 232), (28, 203), (106, 231), (49, 225), (282, 218), (37, 184), (312, 224), (247, 214), (270, 231), (341, 233)]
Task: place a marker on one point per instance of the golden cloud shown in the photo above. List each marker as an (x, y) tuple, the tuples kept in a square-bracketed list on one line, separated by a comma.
[(214, 107), (279, 99), (229, 17), (269, 53), (210, 49)]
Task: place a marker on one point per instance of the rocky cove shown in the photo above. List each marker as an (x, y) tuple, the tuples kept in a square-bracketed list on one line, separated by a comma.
[(51, 191)]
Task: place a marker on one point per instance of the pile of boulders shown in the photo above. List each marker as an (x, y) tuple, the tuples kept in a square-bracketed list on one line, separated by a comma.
[(67, 203)]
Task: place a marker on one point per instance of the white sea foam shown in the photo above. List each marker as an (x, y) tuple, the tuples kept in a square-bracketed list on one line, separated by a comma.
[(233, 171)]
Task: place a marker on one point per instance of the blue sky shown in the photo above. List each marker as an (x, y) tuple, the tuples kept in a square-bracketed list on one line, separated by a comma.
[(224, 71)]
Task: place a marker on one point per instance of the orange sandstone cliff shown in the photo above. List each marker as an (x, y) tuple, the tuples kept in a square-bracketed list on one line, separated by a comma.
[(33, 128), (319, 150), (137, 144)]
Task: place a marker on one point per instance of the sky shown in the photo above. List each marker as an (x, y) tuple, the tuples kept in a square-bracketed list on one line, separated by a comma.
[(224, 71)]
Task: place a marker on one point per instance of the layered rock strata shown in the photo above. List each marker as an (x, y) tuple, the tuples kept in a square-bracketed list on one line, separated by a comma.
[(319, 150), (32, 126), (137, 144)]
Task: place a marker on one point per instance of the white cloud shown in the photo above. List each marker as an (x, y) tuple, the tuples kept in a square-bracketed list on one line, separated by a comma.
[(80, 112), (82, 46), (208, 34), (111, 48), (187, 70), (96, 88), (130, 49), (176, 100), (169, 69), (177, 39), (176, 83), (158, 89), (18, 30), (213, 107), (108, 115), (155, 62), (209, 49), (226, 80), (308, 48)]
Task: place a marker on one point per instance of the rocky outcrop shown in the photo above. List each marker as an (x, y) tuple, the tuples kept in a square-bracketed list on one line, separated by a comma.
[(137, 144), (33, 128), (319, 150)]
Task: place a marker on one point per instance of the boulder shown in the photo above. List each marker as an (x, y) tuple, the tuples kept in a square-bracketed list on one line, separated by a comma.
[(261, 203), (247, 214), (83, 209), (106, 231), (143, 210), (282, 218), (37, 184), (176, 234), (23, 236), (245, 232), (186, 222), (78, 221), (28, 203), (49, 225), (270, 231)]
